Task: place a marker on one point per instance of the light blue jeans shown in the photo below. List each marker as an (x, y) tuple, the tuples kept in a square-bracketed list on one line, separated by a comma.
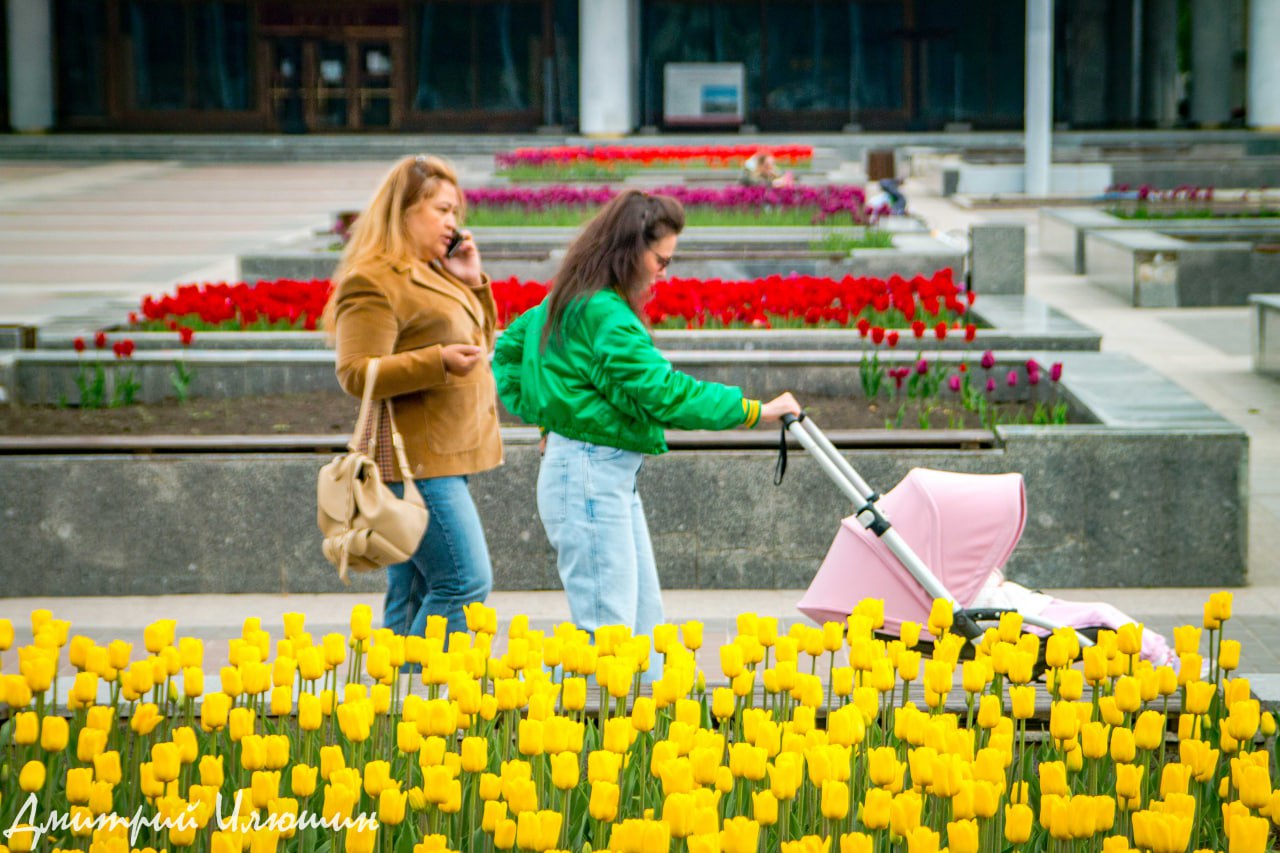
[(450, 568), (590, 508)]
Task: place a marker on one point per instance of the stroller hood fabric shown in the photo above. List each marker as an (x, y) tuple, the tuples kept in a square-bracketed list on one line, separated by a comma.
[(962, 526)]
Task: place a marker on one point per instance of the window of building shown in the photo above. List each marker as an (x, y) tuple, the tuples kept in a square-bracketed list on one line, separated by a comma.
[(81, 27), (480, 56), (189, 55), (494, 64), (4, 65), (222, 63)]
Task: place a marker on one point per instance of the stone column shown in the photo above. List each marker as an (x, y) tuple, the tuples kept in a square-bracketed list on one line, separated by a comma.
[(608, 36), (1160, 62), (1264, 64), (30, 26), (1210, 63), (1038, 112)]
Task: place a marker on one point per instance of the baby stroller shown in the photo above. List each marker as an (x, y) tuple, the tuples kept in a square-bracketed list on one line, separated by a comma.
[(950, 532)]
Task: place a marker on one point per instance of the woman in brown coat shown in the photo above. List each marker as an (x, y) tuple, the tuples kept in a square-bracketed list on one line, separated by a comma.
[(430, 320)]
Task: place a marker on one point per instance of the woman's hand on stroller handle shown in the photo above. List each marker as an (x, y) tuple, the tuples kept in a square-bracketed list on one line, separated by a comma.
[(783, 404)]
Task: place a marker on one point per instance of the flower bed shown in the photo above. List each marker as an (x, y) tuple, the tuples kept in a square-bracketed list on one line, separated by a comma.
[(773, 302), (612, 160), (706, 206), (1186, 202), (513, 756)]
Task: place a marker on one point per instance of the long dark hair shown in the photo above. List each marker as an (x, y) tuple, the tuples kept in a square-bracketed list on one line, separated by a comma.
[(610, 252)]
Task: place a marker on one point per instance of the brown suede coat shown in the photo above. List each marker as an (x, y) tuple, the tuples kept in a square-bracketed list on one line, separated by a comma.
[(403, 315)]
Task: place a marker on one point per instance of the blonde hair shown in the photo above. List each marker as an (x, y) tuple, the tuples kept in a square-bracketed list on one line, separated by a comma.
[(379, 233)]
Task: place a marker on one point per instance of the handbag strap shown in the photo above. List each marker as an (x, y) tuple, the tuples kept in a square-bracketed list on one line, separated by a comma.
[(411, 493)]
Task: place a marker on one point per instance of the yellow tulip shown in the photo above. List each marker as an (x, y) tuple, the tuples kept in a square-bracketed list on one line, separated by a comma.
[(677, 813), (89, 743), (1248, 833), (1063, 721), (962, 836), (1023, 698), (1093, 739), (1148, 733), (165, 761), (643, 714), (603, 805), (909, 665), (214, 712), (876, 806), (253, 752), (504, 834), (54, 732), (1243, 719), (1053, 778), (302, 780), (264, 787), (747, 761), (691, 633), (835, 799), (904, 813), (989, 711), (565, 770), (377, 777), (739, 835), (764, 808), (32, 776)]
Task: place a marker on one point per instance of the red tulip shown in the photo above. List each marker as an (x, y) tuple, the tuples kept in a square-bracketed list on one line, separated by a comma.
[(864, 326), (892, 338), (877, 335), (100, 340), (970, 332), (940, 331), (917, 328), (78, 343)]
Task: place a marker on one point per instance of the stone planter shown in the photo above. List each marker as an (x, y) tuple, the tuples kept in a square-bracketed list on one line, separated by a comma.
[(730, 253), (1156, 480)]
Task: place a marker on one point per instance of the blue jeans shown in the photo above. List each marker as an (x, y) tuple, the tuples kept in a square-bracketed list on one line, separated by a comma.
[(590, 508), (450, 568)]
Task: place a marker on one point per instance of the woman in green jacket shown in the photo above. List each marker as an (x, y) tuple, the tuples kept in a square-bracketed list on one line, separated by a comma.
[(583, 367)]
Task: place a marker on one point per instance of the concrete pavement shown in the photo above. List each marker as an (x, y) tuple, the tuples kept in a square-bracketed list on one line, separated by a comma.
[(83, 243)]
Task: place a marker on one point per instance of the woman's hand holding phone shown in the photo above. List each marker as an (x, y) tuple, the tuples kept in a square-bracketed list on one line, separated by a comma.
[(463, 258)]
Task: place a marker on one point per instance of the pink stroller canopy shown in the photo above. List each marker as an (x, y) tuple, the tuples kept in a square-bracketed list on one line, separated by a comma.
[(962, 526)]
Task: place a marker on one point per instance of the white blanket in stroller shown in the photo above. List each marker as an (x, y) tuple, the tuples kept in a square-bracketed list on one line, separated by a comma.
[(1002, 594)]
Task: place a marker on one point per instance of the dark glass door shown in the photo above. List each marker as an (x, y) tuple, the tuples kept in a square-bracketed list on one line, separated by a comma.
[(326, 85), (285, 88)]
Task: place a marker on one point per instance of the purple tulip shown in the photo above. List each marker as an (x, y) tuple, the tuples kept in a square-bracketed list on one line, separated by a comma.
[(1033, 377), (954, 383), (1012, 378), (991, 386), (922, 366), (1055, 371), (988, 360), (1032, 364)]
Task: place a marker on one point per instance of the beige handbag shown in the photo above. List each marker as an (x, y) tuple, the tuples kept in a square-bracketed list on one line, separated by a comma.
[(365, 526)]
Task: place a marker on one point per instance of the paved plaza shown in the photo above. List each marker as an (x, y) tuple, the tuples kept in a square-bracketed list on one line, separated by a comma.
[(81, 243)]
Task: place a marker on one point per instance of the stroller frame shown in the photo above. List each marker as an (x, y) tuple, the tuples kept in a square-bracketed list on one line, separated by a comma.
[(863, 497)]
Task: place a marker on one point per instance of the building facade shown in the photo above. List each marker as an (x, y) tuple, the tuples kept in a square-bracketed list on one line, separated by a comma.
[(597, 66)]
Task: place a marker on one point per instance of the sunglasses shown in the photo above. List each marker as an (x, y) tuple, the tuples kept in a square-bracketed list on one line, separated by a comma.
[(664, 261)]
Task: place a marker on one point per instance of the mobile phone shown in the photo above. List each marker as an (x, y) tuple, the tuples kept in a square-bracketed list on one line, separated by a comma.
[(454, 243)]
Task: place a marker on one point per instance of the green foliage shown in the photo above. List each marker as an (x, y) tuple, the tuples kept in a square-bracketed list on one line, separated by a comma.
[(842, 242)]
